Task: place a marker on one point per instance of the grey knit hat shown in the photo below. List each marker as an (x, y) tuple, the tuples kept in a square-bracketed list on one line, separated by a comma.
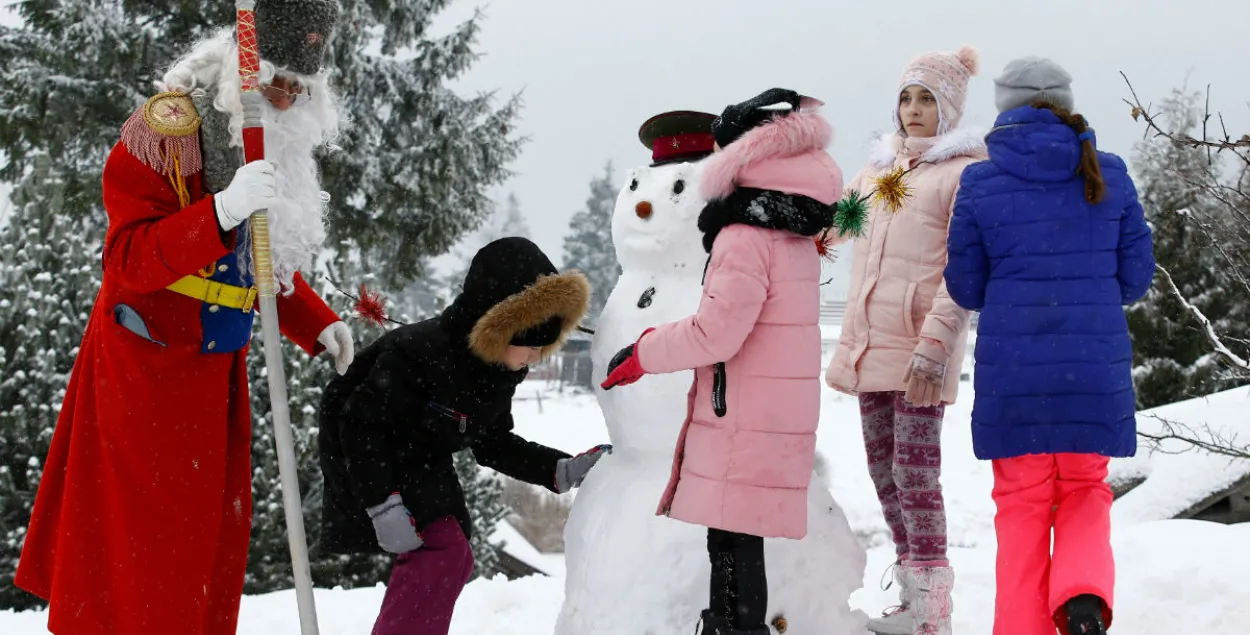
[(293, 33), (1031, 79)]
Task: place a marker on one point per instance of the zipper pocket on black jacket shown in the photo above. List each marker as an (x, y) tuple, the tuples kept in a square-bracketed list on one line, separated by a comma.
[(718, 390), (459, 417)]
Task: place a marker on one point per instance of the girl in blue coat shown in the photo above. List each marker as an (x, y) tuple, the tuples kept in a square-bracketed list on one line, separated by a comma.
[(1049, 242)]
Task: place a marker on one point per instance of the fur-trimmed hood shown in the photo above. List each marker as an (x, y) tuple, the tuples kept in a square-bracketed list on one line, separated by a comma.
[(785, 155), (512, 287), (965, 141)]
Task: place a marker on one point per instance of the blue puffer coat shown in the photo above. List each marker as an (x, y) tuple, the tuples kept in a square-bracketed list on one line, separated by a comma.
[(1049, 273)]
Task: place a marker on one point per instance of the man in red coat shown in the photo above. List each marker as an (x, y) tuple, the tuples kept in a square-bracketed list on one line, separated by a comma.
[(141, 523)]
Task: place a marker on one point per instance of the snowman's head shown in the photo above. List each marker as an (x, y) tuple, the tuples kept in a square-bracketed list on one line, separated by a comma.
[(655, 224)]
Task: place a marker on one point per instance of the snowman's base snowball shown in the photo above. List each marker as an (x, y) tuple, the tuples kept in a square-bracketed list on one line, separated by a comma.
[(632, 572)]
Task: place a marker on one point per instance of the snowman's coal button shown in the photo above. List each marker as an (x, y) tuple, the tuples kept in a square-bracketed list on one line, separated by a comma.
[(644, 300)]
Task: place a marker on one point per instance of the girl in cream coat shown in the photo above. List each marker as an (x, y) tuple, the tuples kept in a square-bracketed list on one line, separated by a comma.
[(903, 337)]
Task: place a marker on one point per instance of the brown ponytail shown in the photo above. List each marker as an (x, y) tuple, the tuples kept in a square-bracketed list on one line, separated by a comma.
[(1088, 167)]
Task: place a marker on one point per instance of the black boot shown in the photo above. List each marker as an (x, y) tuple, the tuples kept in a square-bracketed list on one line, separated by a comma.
[(713, 624), (1085, 615)]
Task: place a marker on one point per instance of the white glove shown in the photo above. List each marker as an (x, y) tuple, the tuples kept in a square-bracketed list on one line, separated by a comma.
[(253, 188), (337, 339), (394, 526)]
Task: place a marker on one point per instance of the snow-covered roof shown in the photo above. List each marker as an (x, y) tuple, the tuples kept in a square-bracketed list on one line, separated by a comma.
[(515, 545), (1182, 479)]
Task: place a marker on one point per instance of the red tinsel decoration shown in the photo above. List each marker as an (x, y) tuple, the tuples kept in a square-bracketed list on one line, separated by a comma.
[(371, 306), (824, 246)]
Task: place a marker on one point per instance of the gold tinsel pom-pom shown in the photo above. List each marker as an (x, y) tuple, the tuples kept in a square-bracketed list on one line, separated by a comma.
[(891, 191)]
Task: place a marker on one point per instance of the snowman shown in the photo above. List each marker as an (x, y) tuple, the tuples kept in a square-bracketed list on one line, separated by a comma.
[(629, 571)]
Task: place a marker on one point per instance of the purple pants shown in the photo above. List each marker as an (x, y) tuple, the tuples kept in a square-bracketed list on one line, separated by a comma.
[(904, 446), (425, 583)]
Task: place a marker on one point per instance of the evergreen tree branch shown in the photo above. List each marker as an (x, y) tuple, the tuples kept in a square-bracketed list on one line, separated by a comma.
[(1230, 356), (1236, 268)]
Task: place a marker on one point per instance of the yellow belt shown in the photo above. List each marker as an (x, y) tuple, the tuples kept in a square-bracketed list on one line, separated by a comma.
[(214, 292)]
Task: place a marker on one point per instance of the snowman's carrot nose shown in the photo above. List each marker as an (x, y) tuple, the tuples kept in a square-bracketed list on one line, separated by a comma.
[(643, 209)]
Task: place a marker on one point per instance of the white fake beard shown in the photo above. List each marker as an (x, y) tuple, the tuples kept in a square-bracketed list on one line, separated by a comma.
[(296, 222)]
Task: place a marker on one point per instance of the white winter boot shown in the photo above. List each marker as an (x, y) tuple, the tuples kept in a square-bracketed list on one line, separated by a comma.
[(896, 620), (931, 605)]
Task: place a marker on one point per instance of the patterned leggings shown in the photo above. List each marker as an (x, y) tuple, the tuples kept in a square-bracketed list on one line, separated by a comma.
[(905, 461)]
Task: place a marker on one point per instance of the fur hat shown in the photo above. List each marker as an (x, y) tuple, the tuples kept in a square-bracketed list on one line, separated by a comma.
[(1031, 79), (945, 75), (513, 295), (293, 34), (737, 119)]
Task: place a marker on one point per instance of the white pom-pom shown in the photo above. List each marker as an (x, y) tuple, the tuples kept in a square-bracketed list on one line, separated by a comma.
[(970, 58)]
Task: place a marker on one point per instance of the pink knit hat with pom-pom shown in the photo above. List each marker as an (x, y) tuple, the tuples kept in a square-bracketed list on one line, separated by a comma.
[(946, 75)]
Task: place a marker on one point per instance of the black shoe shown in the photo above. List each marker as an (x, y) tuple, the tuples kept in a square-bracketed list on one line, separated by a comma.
[(1085, 615)]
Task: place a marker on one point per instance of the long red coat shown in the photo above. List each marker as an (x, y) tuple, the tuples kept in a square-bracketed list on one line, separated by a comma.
[(141, 522)]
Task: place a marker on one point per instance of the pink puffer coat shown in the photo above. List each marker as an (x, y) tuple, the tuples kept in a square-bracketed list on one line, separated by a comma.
[(744, 457)]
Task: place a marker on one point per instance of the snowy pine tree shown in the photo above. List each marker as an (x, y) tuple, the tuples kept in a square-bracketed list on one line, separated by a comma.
[(588, 245), (1172, 356), (514, 223), (503, 221), (415, 163), (425, 297), (49, 277)]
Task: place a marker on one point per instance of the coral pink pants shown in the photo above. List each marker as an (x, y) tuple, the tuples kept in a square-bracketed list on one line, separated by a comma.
[(1035, 493)]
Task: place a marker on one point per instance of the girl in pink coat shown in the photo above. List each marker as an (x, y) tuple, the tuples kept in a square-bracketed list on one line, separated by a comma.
[(903, 338), (744, 456)]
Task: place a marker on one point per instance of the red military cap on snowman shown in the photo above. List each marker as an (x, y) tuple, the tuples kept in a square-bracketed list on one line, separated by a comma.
[(678, 136)]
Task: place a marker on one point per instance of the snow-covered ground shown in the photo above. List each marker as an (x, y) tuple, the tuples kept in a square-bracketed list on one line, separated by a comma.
[(1173, 576)]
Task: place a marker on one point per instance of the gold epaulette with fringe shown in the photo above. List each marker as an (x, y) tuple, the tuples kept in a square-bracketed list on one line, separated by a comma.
[(164, 135)]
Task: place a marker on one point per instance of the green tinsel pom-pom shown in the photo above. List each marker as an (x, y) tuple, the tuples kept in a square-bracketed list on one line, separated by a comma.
[(851, 215)]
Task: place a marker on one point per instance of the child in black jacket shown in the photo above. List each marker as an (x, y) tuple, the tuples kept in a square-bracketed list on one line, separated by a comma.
[(390, 425)]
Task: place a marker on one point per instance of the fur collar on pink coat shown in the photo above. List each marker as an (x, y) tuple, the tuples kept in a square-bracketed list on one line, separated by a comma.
[(785, 155), (966, 141)]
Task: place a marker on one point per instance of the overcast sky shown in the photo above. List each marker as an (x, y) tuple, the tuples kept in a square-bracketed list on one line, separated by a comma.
[(591, 71)]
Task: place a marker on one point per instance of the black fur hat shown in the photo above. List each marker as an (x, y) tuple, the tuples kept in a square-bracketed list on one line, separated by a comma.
[(737, 119), (293, 34)]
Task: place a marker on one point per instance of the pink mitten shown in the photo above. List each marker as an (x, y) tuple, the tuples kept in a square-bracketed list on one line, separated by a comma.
[(926, 374)]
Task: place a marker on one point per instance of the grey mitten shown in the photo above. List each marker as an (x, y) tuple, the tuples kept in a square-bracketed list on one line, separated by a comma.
[(394, 526), (572, 471)]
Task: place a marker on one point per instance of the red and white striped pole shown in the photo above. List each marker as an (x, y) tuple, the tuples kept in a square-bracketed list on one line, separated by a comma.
[(254, 150)]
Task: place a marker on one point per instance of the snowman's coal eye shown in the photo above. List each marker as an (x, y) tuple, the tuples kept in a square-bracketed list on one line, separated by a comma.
[(633, 185), (679, 187)]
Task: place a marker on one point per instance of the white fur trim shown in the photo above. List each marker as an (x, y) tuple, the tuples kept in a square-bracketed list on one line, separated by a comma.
[(960, 142)]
